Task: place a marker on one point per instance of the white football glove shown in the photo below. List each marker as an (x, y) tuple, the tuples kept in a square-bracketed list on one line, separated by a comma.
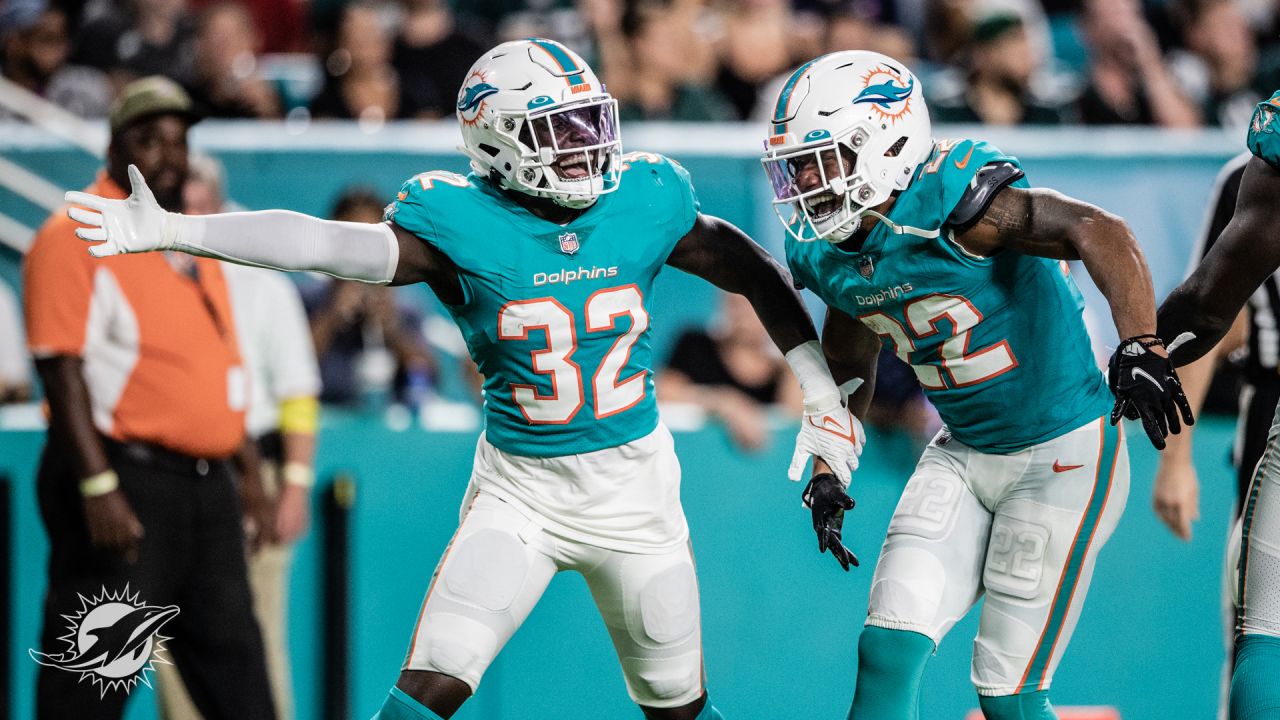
[(832, 434), (133, 225)]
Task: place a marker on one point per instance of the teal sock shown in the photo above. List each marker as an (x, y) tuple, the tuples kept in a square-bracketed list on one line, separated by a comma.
[(890, 668), (709, 712), (399, 706), (1023, 706), (1255, 683)]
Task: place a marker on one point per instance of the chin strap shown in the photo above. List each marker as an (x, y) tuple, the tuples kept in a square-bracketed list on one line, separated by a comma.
[(902, 229)]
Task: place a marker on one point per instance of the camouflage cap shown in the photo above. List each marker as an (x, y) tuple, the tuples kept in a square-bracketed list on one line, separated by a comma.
[(150, 96)]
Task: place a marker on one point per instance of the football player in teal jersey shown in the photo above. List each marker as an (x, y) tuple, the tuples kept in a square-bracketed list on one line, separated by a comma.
[(545, 256), (1194, 318), (939, 250)]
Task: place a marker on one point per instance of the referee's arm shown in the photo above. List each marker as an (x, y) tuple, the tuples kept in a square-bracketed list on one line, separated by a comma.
[(1202, 309), (1175, 495)]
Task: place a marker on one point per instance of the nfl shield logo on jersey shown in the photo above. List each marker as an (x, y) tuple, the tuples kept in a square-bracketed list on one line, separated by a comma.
[(865, 267), (569, 243)]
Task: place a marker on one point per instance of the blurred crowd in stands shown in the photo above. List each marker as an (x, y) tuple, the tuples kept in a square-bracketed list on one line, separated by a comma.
[(1171, 63)]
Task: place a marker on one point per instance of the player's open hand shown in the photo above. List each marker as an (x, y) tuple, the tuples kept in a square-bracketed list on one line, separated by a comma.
[(1176, 495), (1147, 388), (836, 436), (133, 225), (826, 499)]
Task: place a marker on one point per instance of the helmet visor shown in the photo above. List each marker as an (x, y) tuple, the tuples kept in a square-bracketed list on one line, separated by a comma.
[(577, 127), (576, 142), (813, 175)]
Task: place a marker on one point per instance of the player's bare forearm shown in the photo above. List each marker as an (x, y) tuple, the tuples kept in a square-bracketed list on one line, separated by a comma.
[(717, 251), (1047, 223), (852, 351), (1208, 301), (70, 416)]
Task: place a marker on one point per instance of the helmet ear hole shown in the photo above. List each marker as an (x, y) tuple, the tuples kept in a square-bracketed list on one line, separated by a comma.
[(488, 149), (896, 147)]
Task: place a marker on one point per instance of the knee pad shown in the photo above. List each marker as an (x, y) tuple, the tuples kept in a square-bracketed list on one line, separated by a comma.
[(465, 621), (661, 653), (1023, 706), (1255, 695)]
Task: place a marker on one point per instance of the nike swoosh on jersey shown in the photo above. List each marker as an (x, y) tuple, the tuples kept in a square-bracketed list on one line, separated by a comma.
[(1135, 373), (1060, 468), (962, 164)]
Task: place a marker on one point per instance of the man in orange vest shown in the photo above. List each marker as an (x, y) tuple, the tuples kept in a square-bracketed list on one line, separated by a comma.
[(137, 484)]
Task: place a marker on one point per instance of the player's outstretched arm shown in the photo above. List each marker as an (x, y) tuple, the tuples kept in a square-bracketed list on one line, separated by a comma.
[(1207, 302), (1049, 224), (276, 239), (719, 252)]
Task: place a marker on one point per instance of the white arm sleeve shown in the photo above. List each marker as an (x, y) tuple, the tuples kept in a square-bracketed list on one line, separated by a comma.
[(285, 240)]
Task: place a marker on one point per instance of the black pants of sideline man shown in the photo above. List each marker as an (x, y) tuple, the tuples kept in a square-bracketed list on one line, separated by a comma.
[(192, 555)]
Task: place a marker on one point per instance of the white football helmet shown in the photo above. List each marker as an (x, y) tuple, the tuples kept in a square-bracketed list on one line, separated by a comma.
[(538, 120), (848, 130)]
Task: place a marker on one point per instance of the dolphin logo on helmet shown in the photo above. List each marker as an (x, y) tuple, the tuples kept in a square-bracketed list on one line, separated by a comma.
[(885, 93), (473, 95)]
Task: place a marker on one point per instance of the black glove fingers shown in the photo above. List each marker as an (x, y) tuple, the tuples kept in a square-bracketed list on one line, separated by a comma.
[(1171, 416), (1184, 406), (838, 550), (1120, 410), (1154, 432)]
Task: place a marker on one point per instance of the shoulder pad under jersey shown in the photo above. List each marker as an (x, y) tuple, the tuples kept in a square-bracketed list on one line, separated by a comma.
[(984, 186)]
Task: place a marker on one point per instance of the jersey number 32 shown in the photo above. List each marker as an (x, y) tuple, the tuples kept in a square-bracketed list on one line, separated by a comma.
[(603, 308)]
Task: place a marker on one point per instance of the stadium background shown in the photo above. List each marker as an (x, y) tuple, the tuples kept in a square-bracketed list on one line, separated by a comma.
[(780, 621)]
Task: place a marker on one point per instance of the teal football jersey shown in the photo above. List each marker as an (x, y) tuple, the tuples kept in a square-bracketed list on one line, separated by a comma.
[(998, 343), (1264, 133), (557, 317)]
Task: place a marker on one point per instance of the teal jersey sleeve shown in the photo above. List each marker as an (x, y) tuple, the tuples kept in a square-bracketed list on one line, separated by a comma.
[(955, 163), (664, 184), (689, 207), (413, 206), (1263, 140)]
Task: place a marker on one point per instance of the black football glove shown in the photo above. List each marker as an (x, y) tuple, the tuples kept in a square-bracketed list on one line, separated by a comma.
[(825, 497), (1147, 388)]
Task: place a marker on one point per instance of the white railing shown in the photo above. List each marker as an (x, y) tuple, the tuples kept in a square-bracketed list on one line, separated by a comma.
[(49, 119)]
